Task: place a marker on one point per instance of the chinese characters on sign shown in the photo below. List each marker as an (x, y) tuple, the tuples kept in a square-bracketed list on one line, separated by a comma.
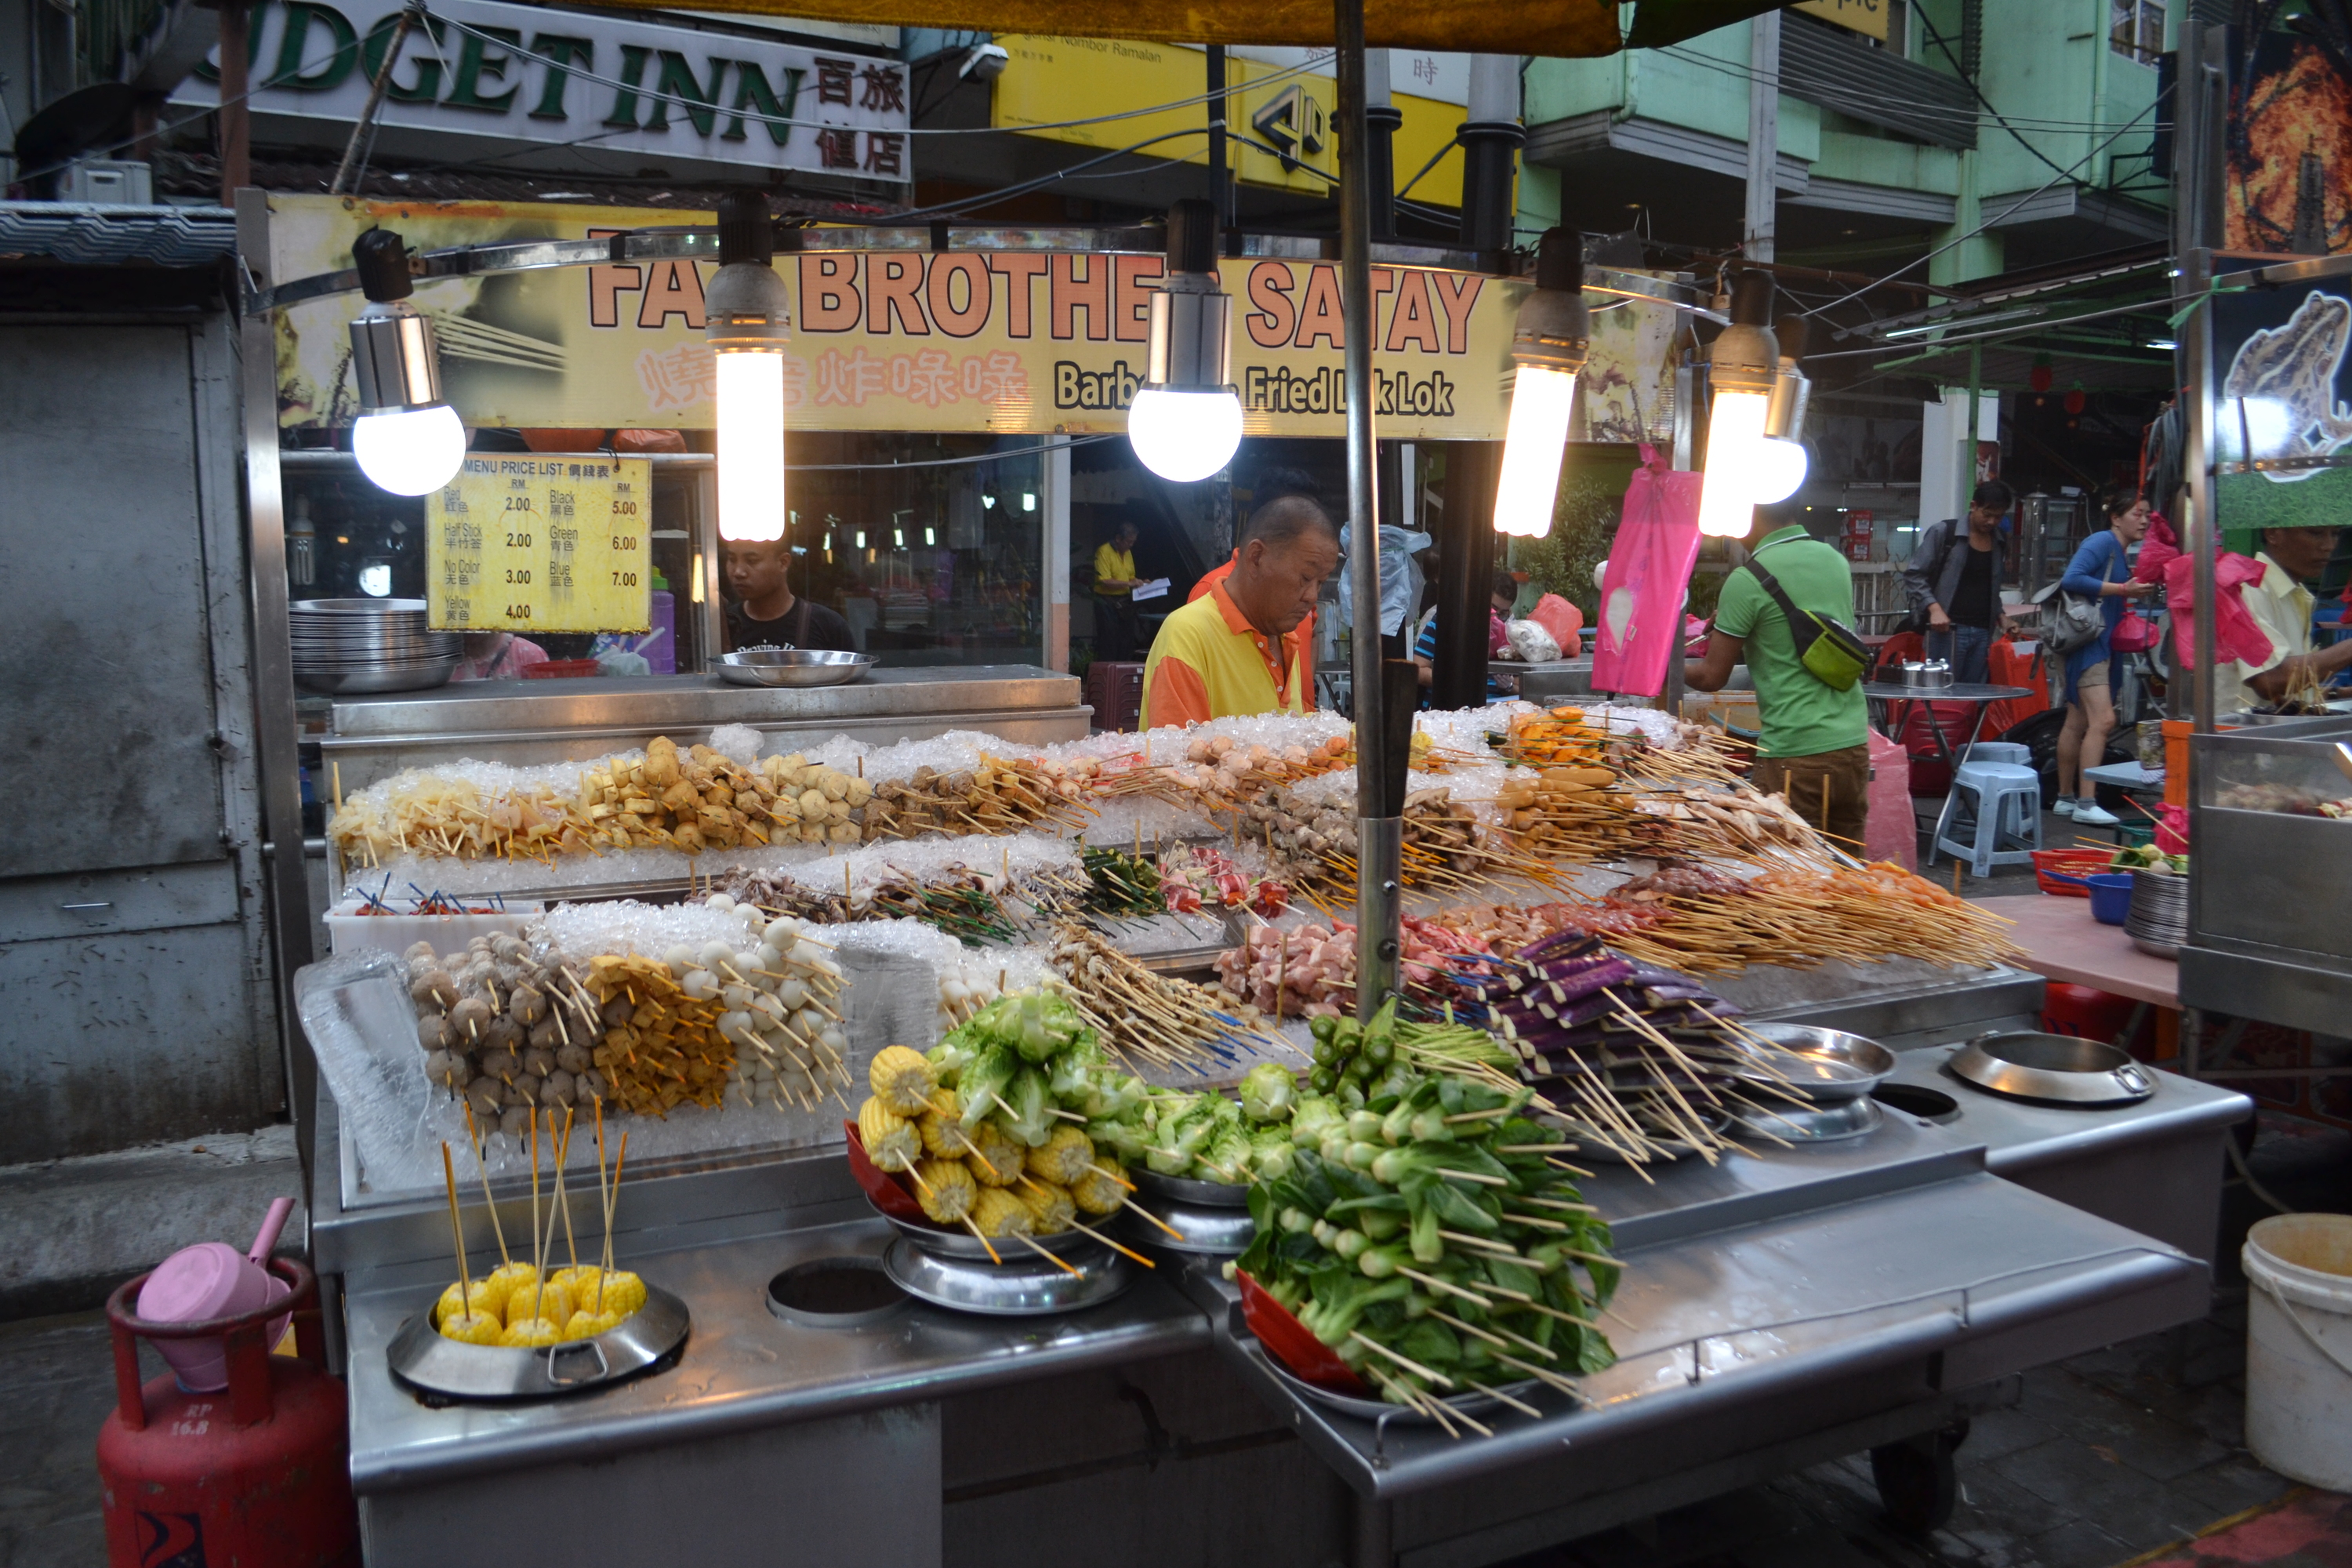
[(540, 544)]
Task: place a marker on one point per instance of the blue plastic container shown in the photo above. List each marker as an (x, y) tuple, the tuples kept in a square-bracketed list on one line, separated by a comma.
[(2111, 893)]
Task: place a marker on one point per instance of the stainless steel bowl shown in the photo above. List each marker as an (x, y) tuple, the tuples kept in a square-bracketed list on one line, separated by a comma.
[(793, 667), (1927, 675), (1824, 1066), (1185, 1189), (644, 1340), (1810, 1123), (1034, 1289), (2029, 1065), (963, 1243), (1202, 1230)]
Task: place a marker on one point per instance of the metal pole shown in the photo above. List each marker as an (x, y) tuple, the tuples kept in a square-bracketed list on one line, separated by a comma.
[(2197, 471), (1220, 186), (1379, 819), (1491, 138), (1382, 119), (235, 126), (1763, 134), (1465, 567), (277, 738)]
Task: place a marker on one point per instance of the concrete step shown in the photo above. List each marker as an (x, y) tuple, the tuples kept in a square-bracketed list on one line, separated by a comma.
[(72, 1230)]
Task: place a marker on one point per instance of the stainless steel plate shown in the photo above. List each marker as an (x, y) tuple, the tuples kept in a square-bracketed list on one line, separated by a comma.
[(1185, 1189), (1030, 1289), (2029, 1065), (1475, 1404), (395, 678), (1812, 1123), (1825, 1065), (443, 1368), (965, 1244), (1209, 1230), (793, 667)]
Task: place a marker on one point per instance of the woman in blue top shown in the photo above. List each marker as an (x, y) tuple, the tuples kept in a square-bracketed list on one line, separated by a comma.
[(2100, 569)]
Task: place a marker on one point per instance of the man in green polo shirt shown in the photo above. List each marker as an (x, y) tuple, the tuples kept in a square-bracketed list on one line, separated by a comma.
[(1815, 749)]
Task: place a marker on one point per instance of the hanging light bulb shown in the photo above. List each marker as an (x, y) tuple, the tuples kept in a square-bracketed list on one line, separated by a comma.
[(748, 320), (1547, 345), (1783, 460), (407, 440), (1186, 419), (1743, 366)]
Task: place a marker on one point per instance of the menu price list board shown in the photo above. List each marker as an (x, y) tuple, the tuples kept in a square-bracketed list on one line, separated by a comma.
[(526, 542)]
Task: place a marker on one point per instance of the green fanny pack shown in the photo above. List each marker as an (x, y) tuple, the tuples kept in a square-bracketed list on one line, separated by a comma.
[(1831, 652)]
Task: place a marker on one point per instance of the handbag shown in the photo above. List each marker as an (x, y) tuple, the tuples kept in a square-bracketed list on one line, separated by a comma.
[(1831, 652), (2070, 622)]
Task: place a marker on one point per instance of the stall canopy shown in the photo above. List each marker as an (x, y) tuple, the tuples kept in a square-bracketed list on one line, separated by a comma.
[(1571, 29)]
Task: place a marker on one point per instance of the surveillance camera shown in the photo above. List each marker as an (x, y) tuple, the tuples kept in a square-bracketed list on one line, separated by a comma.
[(985, 63)]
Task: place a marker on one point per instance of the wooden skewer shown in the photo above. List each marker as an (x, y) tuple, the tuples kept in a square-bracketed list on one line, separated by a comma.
[(1031, 1244), (1078, 1224), (1154, 1218), (1405, 1361), (1520, 1405), (488, 1202), (1114, 1176), (456, 1232), (992, 1257)]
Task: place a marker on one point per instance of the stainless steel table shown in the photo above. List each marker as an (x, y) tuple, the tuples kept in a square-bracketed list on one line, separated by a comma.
[(1892, 692)]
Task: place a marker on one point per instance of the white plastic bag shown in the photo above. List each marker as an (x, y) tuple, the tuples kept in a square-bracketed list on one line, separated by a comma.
[(1530, 644)]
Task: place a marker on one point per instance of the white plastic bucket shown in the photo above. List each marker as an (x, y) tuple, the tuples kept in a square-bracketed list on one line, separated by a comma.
[(2299, 1347)]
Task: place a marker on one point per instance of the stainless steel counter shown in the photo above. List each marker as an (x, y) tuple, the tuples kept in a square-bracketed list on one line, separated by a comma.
[(525, 721)]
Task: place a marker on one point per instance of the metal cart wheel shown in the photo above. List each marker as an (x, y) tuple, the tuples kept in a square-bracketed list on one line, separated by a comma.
[(1915, 1480)]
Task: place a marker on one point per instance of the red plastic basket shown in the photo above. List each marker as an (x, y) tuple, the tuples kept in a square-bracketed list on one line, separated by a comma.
[(563, 670), (2073, 863)]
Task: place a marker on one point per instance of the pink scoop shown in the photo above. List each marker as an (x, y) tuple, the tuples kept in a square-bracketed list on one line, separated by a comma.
[(212, 1280)]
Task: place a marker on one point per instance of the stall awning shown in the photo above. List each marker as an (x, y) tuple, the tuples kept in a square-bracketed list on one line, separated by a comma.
[(1572, 29)]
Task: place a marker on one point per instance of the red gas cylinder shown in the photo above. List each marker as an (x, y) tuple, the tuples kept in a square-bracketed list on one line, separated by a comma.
[(256, 1477)]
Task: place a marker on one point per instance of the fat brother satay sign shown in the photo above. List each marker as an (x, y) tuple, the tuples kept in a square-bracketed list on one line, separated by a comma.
[(997, 341)]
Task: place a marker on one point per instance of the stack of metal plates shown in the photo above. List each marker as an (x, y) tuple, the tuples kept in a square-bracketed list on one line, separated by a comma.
[(2158, 919), (369, 645)]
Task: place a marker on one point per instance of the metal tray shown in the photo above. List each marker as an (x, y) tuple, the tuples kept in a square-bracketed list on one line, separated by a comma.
[(2026, 1065), (1380, 1410), (398, 677), (792, 667), (444, 1371), (1825, 1065), (1185, 1189), (1209, 1230), (1031, 1289)]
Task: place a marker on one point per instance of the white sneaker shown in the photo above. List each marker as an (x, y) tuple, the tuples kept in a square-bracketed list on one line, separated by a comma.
[(2064, 805), (2090, 814)]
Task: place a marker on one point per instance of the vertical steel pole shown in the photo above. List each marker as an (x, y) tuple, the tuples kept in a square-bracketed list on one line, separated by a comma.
[(1380, 820), (277, 737), (1220, 187), (235, 125)]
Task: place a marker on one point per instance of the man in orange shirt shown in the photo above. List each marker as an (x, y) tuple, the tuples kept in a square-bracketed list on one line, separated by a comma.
[(1229, 651), (1273, 486)]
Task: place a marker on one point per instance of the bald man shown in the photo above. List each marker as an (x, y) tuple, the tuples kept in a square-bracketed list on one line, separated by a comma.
[(1229, 653)]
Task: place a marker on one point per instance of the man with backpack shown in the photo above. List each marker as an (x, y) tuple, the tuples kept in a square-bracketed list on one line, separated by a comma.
[(1953, 583), (1789, 611)]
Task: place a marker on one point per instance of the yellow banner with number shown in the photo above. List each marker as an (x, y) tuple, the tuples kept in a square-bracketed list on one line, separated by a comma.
[(522, 543)]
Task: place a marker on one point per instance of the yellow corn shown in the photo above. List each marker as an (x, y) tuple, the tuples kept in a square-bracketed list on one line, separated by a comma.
[(1063, 1158), (945, 1190), (901, 1079), (891, 1140), (1050, 1207), (998, 1213), (1096, 1193), (997, 1157), (942, 1139)]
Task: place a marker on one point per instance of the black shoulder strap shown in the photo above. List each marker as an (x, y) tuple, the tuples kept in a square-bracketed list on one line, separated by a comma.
[(1779, 594)]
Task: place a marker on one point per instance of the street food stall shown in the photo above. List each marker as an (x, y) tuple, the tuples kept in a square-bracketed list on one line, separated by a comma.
[(875, 1118)]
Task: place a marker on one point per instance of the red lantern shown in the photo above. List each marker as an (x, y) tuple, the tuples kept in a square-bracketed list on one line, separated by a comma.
[(2074, 401), (2041, 375)]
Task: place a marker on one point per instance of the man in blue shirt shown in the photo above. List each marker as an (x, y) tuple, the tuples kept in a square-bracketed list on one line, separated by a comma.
[(1501, 596)]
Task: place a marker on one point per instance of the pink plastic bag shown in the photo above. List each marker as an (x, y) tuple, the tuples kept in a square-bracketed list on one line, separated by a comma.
[(2237, 639), (1649, 570), (1563, 620), (1889, 832), (2158, 551)]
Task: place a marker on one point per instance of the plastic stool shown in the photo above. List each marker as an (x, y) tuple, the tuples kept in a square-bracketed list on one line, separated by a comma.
[(2000, 751), (2008, 804)]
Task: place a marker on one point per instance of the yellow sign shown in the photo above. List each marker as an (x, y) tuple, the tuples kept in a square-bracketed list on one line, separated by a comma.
[(1867, 17), (1280, 121), (524, 542), (999, 341)]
